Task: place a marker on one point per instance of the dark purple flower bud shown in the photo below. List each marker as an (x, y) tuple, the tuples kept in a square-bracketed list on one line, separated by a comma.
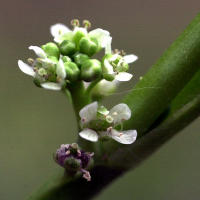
[(74, 159)]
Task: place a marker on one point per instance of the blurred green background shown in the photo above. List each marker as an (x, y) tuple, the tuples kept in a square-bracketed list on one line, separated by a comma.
[(34, 122)]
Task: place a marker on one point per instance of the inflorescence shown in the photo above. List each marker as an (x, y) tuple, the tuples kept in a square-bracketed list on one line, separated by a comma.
[(69, 61)]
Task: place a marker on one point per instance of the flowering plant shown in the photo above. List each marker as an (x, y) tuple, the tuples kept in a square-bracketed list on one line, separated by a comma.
[(113, 141)]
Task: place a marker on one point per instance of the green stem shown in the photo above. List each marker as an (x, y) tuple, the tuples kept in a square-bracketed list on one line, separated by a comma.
[(169, 75), (67, 94), (79, 100), (91, 86), (79, 97)]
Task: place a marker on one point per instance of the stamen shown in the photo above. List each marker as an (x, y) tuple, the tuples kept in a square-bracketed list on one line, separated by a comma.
[(79, 152), (122, 53), (75, 22), (83, 120), (86, 24), (91, 154), (87, 175), (60, 32), (116, 72), (114, 113), (115, 51), (31, 61), (120, 134), (67, 152), (109, 129)]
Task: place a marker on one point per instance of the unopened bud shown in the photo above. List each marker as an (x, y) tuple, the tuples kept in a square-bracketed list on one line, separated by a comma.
[(67, 48), (91, 70), (72, 71), (66, 59), (51, 49), (79, 58), (88, 46)]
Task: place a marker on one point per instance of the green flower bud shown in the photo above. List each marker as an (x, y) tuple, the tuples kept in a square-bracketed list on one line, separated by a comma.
[(72, 164), (53, 58), (67, 48), (78, 35), (88, 46), (91, 70), (79, 58), (66, 59), (72, 71), (51, 49)]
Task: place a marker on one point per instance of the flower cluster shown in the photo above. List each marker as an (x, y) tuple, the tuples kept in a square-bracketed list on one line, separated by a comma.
[(74, 159), (70, 59), (103, 124), (67, 64)]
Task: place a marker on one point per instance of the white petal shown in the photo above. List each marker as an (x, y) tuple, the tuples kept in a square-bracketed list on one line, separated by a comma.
[(26, 68), (114, 57), (130, 58), (127, 137), (39, 52), (108, 46), (120, 112), (107, 68), (51, 86), (57, 28), (48, 64), (60, 70), (101, 35), (89, 112), (89, 134), (64, 36), (123, 76)]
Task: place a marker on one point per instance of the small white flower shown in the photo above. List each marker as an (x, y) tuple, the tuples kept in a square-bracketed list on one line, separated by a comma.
[(96, 127), (49, 73), (61, 32), (116, 70)]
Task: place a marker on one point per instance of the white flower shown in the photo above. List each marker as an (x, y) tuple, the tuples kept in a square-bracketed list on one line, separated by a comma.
[(61, 32), (50, 74), (98, 127), (115, 66)]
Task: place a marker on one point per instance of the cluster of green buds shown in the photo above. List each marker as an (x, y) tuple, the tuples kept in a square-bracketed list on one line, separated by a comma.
[(70, 59), (74, 159)]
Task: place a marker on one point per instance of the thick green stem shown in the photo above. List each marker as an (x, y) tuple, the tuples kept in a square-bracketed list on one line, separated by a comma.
[(164, 80)]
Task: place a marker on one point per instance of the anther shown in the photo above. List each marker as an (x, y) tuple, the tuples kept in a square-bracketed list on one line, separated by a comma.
[(67, 153), (75, 22), (86, 24)]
